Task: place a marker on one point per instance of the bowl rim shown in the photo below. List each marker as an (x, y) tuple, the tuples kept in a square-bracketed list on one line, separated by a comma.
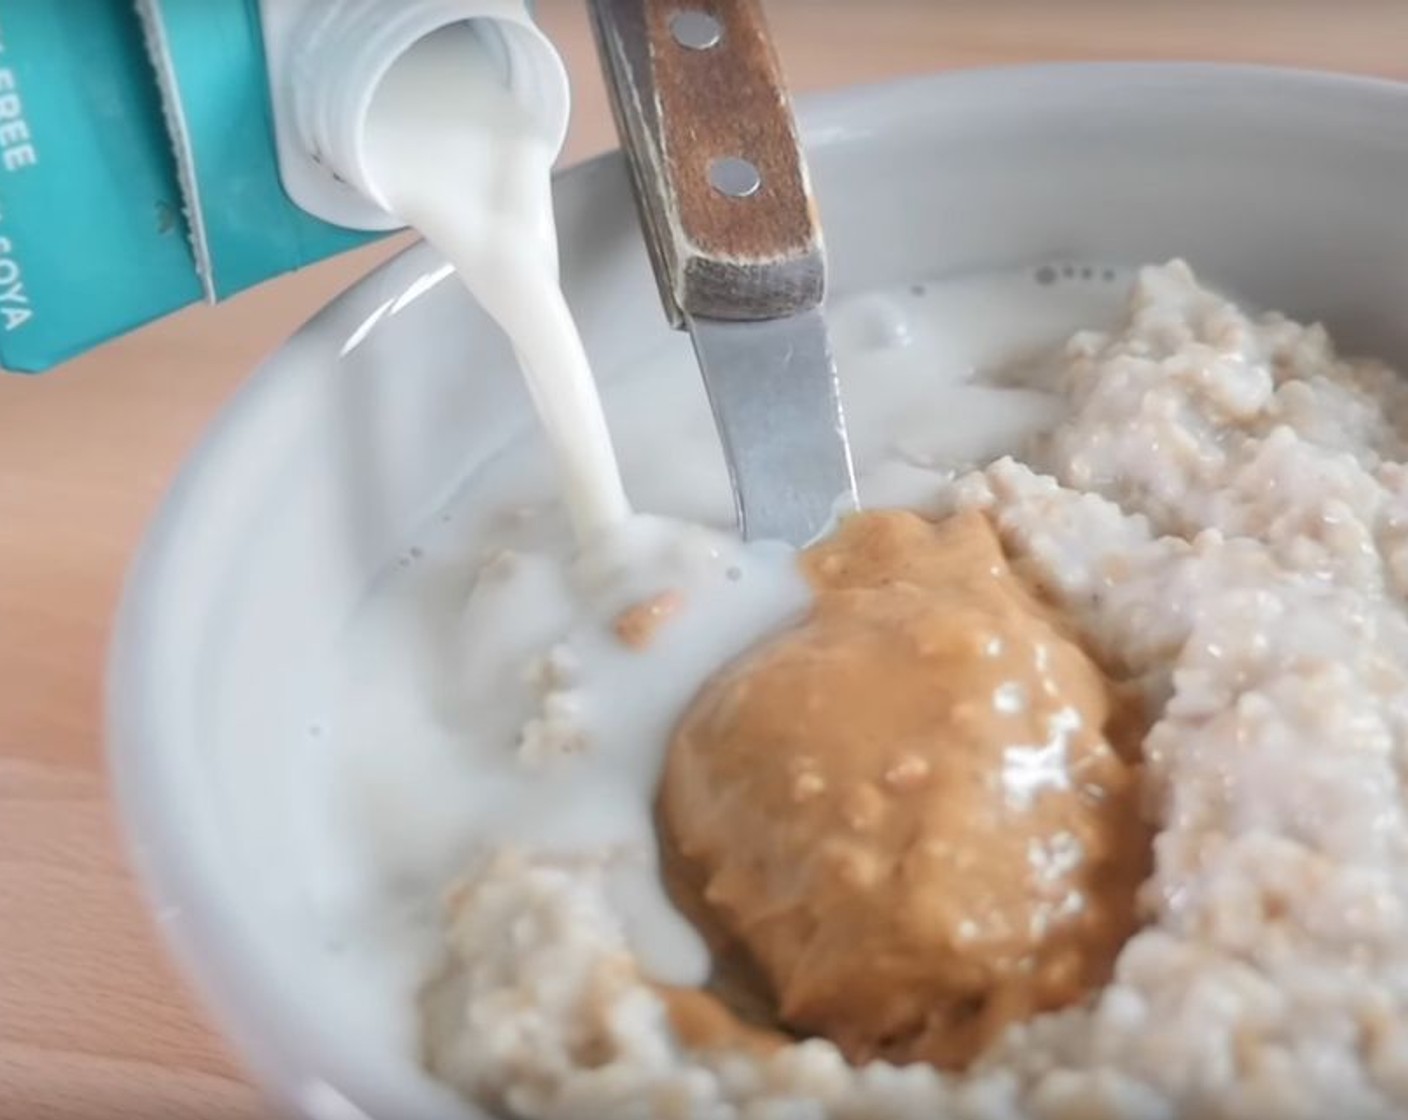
[(292, 1061)]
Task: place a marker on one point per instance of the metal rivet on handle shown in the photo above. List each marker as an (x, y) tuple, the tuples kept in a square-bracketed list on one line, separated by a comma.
[(735, 177), (696, 30)]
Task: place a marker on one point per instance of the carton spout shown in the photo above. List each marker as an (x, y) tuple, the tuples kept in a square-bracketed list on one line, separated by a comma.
[(326, 60)]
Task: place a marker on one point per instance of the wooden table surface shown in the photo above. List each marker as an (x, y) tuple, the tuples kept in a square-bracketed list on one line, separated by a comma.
[(93, 1020)]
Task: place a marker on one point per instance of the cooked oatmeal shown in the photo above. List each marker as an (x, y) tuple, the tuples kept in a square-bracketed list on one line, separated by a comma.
[(1221, 517)]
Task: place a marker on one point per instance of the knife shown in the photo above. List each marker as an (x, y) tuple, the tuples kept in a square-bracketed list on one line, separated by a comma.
[(726, 207)]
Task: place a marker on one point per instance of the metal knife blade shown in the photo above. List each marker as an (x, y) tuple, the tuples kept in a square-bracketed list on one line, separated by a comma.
[(776, 400)]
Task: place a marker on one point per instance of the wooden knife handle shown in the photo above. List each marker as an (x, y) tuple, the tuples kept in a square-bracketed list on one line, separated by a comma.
[(680, 108)]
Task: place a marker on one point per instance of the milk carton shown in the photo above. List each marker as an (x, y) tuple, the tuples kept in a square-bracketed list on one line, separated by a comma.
[(152, 153)]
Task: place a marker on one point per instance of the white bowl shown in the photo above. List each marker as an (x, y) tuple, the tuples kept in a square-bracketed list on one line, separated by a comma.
[(1290, 189)]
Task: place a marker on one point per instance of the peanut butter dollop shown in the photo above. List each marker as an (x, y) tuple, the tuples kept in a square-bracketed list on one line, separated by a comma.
[(903, 819)]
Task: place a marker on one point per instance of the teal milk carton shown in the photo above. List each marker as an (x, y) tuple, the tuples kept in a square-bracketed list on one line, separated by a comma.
[(159, 153)]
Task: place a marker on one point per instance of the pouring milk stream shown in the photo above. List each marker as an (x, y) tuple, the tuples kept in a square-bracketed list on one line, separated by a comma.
[(453, 153)]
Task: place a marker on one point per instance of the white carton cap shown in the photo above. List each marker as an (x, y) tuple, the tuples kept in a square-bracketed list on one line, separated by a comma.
[(325, 60)]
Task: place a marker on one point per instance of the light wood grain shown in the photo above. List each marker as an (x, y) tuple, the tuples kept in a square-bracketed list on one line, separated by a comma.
[(93, 1022)]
